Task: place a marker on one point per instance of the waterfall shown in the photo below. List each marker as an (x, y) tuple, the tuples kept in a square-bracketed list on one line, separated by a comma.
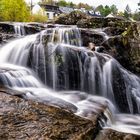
[(19, 29), (55, 59)]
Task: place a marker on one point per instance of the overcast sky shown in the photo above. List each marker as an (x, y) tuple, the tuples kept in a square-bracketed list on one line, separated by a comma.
[(121, 4)]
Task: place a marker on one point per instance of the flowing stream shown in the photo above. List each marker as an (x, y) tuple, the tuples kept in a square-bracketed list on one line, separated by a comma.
[(53, 67)]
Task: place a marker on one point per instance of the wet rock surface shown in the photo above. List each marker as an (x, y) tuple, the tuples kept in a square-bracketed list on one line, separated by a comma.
[(124, 36), (22, 119), (113, 31), (91, 36), (7, 30), (126, 48), (109, 134)]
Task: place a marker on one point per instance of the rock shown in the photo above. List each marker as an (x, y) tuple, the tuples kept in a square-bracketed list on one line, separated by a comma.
[(109, 134), (83, 20), (91, 36), (37, 26), (70, 19), (22, 119), (92, 22), (113, 31), (126, 48), (7, 30)]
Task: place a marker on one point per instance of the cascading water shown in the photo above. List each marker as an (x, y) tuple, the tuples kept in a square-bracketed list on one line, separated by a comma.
[(54, 57), (19, 29)]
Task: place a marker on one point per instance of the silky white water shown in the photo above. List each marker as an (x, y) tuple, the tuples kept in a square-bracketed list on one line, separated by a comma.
[(53, 68), (19, 29)]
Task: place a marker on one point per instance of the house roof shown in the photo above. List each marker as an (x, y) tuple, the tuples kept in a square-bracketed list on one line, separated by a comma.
[(91, 13), (66, 10), (50, 8), (110, 16), (115, 17)]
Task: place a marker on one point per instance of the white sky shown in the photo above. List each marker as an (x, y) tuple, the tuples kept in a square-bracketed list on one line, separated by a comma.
[(121, 4)]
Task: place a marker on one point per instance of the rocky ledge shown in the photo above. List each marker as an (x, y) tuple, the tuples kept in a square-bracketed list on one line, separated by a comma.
[(8, 30)]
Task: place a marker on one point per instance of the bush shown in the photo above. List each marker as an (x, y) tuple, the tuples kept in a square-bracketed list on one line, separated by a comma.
[(38, 18)]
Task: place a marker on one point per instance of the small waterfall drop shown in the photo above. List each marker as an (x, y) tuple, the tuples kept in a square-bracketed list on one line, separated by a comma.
[(19, 29), (55, 58)]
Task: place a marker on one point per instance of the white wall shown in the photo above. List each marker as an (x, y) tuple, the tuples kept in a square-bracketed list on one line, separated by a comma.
[(50, 15), (37, 10)]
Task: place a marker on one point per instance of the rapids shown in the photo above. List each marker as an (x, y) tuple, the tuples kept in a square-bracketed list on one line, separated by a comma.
[(53, 67)]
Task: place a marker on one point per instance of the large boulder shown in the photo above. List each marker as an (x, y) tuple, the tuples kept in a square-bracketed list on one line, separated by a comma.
[(71, 19), (26, 119), (22, 119), (92, 36)]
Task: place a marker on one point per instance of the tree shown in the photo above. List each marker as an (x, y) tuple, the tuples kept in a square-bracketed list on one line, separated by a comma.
[(71, 4), (82, 5), (62, 3), (127, 12), (40, 16), (127, 9), (49, 2), (114, 9), (104, 10), (121, 13), (136, 15), (14, 10)]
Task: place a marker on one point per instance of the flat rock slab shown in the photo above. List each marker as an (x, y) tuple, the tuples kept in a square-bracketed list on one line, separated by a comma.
[(22, 119)]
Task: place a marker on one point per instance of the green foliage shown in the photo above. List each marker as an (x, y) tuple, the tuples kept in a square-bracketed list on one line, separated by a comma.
[(114, 9), (136, 16), (127, 12), (104, 10), (39, 17), (65, 3), (71, 4), (120, 13), (59, 59), (82, 5), (62, 3), (14, 10), (49, 2)]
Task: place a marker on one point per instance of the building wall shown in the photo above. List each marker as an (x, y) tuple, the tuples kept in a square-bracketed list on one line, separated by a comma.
[(37, 10), (50, 15)]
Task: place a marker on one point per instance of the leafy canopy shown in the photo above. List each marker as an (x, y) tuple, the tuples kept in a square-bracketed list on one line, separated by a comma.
[(14, 10)]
